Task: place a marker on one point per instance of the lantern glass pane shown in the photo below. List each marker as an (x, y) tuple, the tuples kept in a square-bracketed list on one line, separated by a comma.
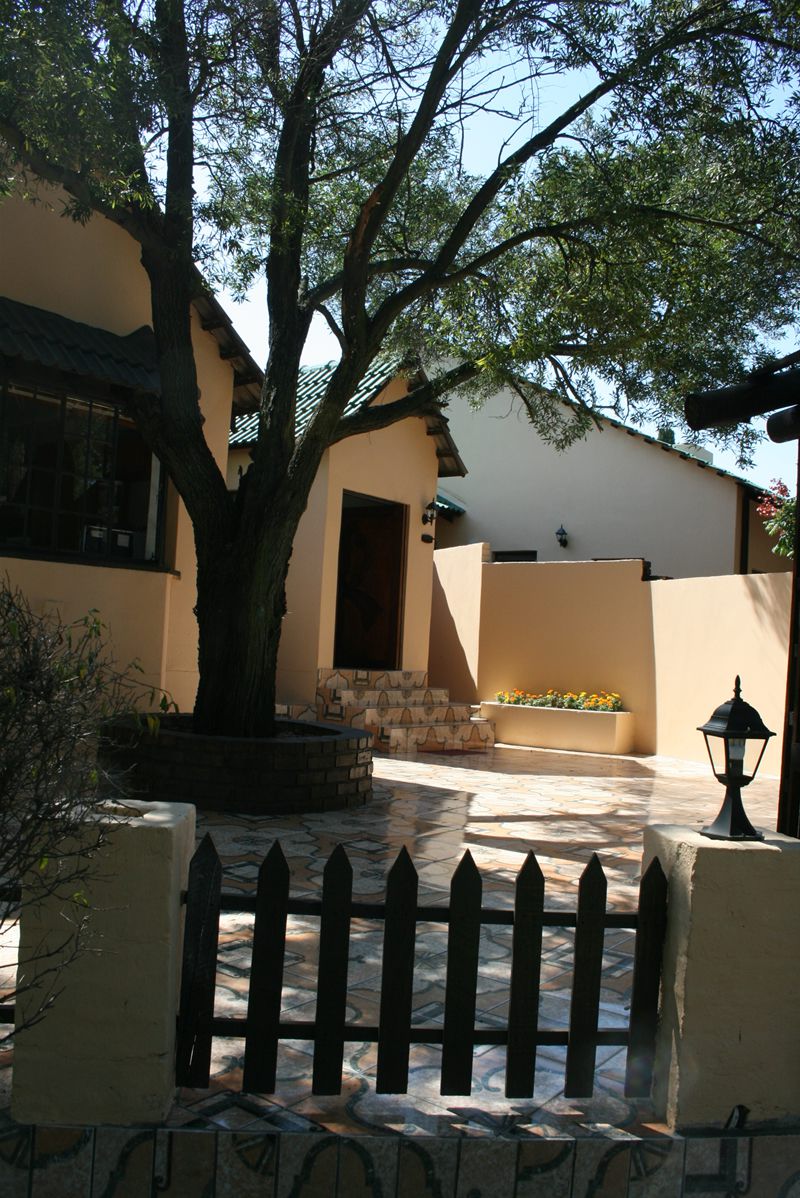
[(716, 753), (736, 755)]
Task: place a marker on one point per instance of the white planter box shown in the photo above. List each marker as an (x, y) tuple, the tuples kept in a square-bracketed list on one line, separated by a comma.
[(561, 728)]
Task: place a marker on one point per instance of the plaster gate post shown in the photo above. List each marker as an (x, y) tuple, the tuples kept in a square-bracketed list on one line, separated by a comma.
[(729, 1028), (105, 1051)]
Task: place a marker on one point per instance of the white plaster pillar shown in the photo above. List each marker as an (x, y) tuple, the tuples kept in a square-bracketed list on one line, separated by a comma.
[(105, 1051), (729, 1029)]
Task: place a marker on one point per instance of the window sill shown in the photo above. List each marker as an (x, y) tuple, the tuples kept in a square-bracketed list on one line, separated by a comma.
[(67, 559)]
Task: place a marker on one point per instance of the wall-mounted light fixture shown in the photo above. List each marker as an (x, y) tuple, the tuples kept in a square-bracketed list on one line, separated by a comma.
[(561, 537), (429, 512)]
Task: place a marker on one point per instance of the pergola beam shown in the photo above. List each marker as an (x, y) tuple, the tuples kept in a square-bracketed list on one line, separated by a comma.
[(731, 405)]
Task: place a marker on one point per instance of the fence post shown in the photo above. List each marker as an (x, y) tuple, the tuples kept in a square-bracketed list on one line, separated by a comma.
[(105, 1051), (729, 1031)]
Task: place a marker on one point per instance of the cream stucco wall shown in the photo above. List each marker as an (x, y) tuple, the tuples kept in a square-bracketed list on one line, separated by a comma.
[(706, 631), (93, 274), (616, 495), (134, 604), (543, 625), (670, 648), (397, 464)]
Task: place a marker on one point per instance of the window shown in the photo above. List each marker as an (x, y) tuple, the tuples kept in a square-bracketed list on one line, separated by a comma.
[(75, 478), (515, 555)]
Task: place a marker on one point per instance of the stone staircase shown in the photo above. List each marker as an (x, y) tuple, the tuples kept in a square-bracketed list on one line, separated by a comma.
[(399, 709)]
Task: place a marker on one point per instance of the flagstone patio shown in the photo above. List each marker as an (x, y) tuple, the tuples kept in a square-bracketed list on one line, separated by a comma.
[(498, 805)]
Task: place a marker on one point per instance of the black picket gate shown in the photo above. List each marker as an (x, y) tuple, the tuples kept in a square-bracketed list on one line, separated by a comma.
[(262, 1028)]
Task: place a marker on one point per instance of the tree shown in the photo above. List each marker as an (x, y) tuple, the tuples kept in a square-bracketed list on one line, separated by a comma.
[(635, 243)]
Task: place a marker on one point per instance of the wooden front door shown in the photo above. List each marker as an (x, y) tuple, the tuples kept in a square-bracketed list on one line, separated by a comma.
[(369, 599)]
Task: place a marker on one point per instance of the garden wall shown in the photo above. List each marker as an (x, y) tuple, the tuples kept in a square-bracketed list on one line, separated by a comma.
[(671, 648)]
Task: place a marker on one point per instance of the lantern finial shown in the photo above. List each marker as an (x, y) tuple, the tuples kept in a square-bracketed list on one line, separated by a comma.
[(737, 687)]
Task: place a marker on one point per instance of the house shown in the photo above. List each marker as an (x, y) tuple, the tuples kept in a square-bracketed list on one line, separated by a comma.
[(359, 583), (87, 520), (616, 494)]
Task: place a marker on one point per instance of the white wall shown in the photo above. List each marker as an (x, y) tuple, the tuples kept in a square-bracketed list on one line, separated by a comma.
[(616, 495)]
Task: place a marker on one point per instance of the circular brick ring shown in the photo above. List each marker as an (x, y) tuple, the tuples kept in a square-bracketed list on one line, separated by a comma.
[(306, 767)]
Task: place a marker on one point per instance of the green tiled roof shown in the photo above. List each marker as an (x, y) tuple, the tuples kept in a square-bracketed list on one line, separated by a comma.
[(47, 339), (310, 390)]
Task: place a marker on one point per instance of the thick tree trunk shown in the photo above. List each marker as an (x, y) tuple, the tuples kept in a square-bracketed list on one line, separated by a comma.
[(239, 613), (241, 602)]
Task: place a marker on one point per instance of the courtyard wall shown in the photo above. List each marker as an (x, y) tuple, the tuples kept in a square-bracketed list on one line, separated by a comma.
[(670, 648)]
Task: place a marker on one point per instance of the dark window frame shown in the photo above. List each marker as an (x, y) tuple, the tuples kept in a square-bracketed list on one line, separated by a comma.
[(92, 401)]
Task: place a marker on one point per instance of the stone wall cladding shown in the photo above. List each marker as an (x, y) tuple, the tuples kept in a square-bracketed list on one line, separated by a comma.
[(313, 767)]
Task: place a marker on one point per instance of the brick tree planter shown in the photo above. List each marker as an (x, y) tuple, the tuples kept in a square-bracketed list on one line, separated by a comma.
[(561, 728), (307, 767)]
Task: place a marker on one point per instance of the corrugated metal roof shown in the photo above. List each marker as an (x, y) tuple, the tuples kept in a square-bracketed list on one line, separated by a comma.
[(47, 339), (310, 389)]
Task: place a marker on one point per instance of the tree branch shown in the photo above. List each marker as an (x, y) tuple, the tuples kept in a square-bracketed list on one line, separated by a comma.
[(423, 400), (688, 31)]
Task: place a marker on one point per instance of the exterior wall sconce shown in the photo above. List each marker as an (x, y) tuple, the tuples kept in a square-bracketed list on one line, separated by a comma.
[(736, 738), (562, 537), (428, 517)]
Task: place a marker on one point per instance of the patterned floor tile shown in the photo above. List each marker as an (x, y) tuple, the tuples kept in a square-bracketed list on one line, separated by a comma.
[(185, 1163), (123, 1163), (16, 1144), (486, 1168), (368, 1166), (656, 1169), (544, 1168), (775, 1166), (62, 1162), (427, 1168), (601, 1169), (246, 1164), (307, 1166)]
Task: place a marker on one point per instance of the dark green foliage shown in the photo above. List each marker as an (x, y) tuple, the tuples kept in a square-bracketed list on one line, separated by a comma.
[(57, 686)]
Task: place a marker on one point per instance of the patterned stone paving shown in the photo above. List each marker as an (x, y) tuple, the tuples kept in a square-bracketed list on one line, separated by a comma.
[(564, 806)]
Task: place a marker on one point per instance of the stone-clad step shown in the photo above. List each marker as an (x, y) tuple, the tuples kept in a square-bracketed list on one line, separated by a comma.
[(400, 710), (416, 713), (457, 737), (351, 679), (407, 697)]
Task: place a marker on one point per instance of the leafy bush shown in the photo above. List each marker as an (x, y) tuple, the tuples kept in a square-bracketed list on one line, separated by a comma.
[(779, 512), (57, 686)]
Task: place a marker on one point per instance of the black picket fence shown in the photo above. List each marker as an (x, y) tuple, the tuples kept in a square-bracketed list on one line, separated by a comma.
[(262, 1028)]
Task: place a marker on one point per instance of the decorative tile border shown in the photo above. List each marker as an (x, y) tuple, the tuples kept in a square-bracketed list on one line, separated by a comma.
[(262, 1162)]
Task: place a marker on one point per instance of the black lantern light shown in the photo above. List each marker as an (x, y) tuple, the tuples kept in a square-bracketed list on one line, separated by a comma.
[(561, 537), (736, 738)]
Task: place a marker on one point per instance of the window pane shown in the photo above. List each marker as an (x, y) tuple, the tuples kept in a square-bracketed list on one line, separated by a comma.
[(75, 477)]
